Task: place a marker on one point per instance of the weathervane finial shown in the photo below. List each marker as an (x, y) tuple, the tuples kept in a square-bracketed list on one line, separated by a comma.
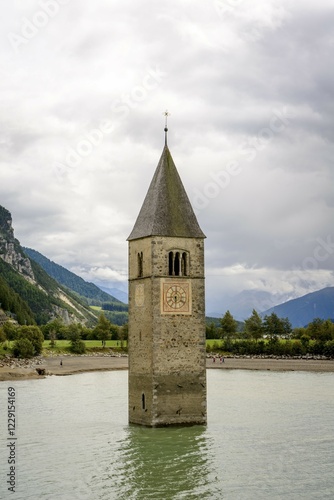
[(167, 114)]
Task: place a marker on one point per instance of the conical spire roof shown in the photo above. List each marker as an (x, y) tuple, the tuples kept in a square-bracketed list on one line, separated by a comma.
[(166, 210)]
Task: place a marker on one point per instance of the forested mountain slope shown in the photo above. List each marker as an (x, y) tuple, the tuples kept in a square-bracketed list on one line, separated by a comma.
[(302, 311), (71, 280), (27, 293)]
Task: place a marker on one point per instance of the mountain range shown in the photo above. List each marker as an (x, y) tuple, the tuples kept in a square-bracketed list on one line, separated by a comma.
[(34, 289), (301, 311), (115, 292), (242, 304), (71, 280)]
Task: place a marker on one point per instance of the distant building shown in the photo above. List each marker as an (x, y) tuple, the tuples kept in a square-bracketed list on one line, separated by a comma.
[(167, 369)]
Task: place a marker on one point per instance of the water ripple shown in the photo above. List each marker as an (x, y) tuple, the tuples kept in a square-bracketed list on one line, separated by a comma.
[(270, 435)]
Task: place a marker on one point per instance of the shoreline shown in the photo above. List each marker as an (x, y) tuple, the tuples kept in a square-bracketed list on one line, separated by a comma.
[(82, 364)]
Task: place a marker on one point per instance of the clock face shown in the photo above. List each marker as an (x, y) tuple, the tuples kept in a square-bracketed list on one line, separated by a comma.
[(175, 297), (139, 295)]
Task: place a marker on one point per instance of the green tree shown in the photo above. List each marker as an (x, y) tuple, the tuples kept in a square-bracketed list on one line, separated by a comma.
[(314, 328), (10, 330), (102, 329), (327, 331), (23, 348), (275, 327), (34, 335), (287, 328), (77, 345), (86, 333), (53, 338), (254, 326), (305, 340), (228, 327), (115, 331), (211, 331), (72, 329), (123, 334), (299, 332), (55, 326), (2, 336), (297, 348), (329, 349)]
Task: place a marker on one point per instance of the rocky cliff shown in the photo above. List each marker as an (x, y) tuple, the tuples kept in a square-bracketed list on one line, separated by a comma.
[(10, 248), (27, 292)]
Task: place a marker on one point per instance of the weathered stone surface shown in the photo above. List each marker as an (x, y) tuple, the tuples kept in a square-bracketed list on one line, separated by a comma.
[(167, 359)]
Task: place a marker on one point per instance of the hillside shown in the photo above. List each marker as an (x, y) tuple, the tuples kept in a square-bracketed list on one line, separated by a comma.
[(71, 280), (11, 301), (242, 304), (116, 292), (303, 310), (27, 292)]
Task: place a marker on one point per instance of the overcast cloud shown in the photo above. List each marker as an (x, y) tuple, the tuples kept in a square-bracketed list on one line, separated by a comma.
[(249, 85)]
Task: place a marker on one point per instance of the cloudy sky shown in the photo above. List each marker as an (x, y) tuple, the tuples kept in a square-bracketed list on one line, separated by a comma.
[(249, 85)]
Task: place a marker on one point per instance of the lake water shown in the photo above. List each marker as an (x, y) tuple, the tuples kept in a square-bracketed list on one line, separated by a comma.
[(269, 436)]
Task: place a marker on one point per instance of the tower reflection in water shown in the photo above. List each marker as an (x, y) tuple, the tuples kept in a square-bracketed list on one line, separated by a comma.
[(163, 463)]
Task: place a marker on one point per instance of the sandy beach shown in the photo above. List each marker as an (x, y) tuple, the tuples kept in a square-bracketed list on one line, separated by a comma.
[(80, 364)]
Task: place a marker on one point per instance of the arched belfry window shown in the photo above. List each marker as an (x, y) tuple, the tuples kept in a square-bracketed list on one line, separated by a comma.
[(140, 264), (177, 267), (184, 270), (178, 263), (170, 263)]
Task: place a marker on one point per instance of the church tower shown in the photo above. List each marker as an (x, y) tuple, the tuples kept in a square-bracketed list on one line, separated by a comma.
[(167, 359)]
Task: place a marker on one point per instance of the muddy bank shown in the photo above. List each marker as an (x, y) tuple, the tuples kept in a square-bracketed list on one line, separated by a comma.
[(13, 369)]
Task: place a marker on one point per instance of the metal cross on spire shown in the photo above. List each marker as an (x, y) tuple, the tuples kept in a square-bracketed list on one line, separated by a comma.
[(167, 114)]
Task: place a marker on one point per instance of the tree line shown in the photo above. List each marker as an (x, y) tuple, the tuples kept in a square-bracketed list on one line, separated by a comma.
[(28, 340), (107, 306), (272, 335)]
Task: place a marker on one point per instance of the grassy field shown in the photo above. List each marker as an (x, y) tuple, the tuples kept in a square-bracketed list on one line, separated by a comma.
[(212, 345), (211, 342), (64, 345), (91, 345)]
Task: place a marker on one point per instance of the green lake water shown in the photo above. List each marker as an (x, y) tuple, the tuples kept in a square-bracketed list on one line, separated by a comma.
[(269, 436)]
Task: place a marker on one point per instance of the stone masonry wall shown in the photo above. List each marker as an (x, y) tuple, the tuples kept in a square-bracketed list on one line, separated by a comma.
[(166, 351)]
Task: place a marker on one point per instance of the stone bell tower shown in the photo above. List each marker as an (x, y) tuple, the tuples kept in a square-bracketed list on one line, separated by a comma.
[(167, 360)]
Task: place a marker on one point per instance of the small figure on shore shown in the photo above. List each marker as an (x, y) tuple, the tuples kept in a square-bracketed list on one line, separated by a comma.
[(61, 362), (213, 359)]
